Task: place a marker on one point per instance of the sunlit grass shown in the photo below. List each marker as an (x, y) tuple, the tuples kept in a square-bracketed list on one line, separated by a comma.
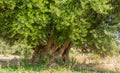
[(45, 69)]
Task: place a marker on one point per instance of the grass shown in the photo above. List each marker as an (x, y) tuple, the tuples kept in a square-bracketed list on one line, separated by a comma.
[(44, 69), (68, 67)]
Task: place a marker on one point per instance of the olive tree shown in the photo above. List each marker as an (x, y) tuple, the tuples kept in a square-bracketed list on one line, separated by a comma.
[(51, 27)]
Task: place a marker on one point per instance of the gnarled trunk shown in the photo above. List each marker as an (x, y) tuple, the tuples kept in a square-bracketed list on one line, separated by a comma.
[(51, 49)]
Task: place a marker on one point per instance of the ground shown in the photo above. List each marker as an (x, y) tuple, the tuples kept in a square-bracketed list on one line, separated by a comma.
[(80, 64)]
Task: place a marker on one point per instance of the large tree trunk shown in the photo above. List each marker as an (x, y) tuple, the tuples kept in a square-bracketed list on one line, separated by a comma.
[(51, 49)]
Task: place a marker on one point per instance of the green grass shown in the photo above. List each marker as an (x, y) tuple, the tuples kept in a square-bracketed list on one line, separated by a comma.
[(45, 69)]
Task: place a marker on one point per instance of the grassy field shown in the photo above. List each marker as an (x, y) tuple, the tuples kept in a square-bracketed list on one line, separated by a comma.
[(71, 67), (45, 69)]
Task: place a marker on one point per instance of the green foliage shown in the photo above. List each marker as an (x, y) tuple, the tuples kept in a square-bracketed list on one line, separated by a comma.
[(15, 48), (103, 40), (29, 21), (4, 47)]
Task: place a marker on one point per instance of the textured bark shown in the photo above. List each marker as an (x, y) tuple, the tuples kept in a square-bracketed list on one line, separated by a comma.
[(66, 52), (51, 49)]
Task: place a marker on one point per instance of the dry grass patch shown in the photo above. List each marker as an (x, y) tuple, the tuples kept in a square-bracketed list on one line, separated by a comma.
[(99, 64)]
